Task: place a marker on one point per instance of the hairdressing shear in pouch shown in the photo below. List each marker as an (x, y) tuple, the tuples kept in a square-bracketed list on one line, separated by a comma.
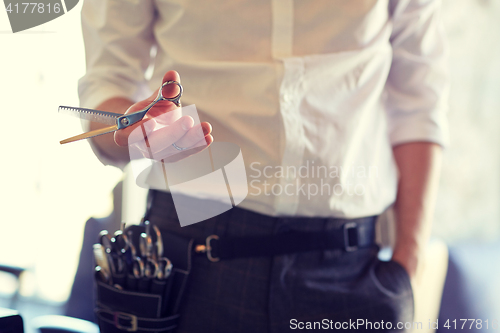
[(117, 120), (164, 264)]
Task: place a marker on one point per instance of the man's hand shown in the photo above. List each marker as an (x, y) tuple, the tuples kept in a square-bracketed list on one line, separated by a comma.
[(419, 165), (162, 126)]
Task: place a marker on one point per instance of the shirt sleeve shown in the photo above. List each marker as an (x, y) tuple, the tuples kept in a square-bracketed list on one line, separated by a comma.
[(118, 38), (417, 86)]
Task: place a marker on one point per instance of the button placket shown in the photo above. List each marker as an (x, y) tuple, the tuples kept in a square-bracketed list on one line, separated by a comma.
[(287, 202)]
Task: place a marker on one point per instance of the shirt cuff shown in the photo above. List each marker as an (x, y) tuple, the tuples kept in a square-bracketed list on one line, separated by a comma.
[(93, 95), (419, 126)]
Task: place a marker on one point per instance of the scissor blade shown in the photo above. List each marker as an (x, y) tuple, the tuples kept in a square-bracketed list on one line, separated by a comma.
[(103, 117), (91, 134)]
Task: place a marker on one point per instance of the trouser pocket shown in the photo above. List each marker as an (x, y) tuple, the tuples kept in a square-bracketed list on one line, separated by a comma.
[(395, 299)]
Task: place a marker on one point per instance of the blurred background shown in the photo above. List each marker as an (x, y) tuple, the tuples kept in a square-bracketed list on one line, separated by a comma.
[(48, 191)]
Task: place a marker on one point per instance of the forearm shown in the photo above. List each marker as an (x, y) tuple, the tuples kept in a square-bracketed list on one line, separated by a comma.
[(105, 144), (419, 165)]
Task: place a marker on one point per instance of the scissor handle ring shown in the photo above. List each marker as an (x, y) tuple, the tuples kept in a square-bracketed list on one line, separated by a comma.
[(138, 268), (106, 241), (164, 271), (119, 235), (176, 99), (150, 268)]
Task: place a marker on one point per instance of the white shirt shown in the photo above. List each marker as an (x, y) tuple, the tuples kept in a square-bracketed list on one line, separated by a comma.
[(324, 86)]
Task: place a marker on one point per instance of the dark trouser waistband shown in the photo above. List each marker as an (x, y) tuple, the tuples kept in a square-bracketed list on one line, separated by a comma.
[(296, 234)]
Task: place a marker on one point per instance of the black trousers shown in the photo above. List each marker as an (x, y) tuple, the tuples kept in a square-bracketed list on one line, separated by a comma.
[(311, 291)]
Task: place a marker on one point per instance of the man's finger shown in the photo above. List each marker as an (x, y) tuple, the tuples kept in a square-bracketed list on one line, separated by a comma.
[(164, 137), (170, 154), (186, 153), (159, 110), (169, 91), (192, 137)]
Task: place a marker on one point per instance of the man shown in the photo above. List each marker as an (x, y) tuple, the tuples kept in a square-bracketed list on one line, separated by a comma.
[(353, 92)]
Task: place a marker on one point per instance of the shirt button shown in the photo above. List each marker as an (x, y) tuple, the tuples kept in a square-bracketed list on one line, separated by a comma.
[(287, 98)]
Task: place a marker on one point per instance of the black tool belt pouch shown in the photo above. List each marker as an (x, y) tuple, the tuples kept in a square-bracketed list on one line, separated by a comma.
[(146, 304)]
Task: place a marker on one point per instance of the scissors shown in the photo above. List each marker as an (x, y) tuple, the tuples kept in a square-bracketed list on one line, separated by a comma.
[(115, 247), (137, 262), (117, 120), (164, 264), (146, 247), (118, 243)]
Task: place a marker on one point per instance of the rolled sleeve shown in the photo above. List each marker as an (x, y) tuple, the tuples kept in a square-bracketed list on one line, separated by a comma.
[(417, 86), (118, 39)]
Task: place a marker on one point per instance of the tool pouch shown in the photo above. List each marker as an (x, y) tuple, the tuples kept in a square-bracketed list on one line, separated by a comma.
[(146, 305)]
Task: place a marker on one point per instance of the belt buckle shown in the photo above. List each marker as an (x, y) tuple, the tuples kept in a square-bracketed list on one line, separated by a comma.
[(125, 316), (347, 246), (207, 248)]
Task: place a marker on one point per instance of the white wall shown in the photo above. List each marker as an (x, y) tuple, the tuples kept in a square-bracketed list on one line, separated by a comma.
[(469, 199), (47, 191)]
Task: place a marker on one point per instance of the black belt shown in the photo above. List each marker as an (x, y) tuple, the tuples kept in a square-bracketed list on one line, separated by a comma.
[(349, 237)]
